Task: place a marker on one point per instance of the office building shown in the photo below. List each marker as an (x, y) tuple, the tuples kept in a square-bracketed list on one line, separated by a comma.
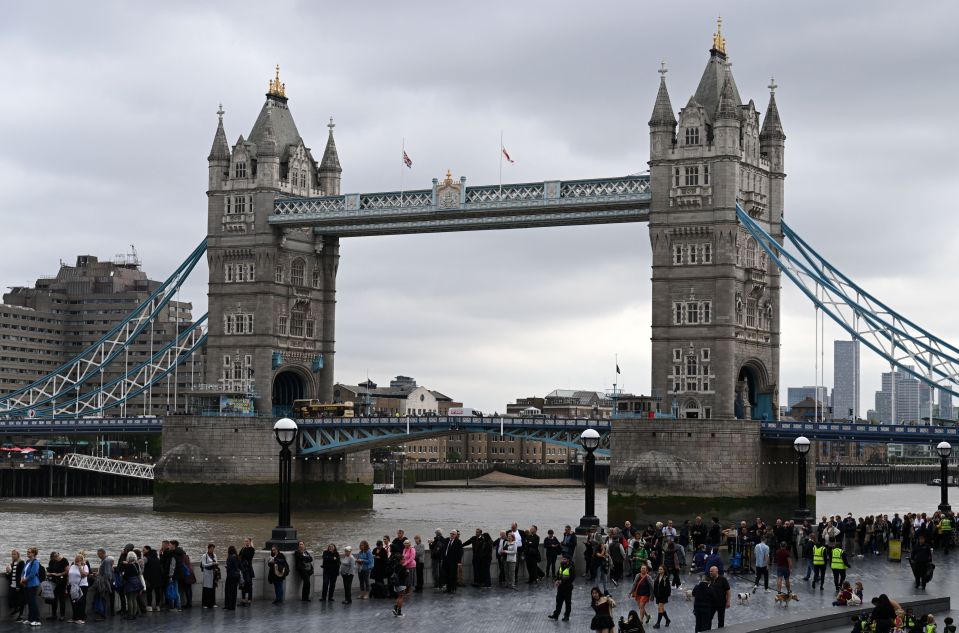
[(845, 390)]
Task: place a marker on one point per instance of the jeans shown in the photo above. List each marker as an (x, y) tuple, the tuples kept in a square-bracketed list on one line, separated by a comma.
[(762, 572), (132, 604), (329, 584), (347, 587), (839, 577), (437, 572), (305, 590), (79, 607), (278, 589), (819, 575), (33, 610), (550, 565), (364, 581), (59, 604), (420, 569), (601, 575)]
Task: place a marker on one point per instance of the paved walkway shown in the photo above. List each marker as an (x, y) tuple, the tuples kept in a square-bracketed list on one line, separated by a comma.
[(502, 610)]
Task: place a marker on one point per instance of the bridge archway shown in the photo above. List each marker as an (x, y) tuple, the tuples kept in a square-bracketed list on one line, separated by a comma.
[(289, 385), (753, 398)]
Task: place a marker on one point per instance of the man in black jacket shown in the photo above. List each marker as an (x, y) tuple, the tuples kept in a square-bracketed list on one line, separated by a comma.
[(532, 555), (565, 576), (476, 543), (568, 542), (499, 548), (698, 533), (452, 561), (437, 547), (920, 558)]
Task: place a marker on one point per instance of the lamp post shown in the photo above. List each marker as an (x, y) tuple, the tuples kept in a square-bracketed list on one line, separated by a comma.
[(589, 440), (284, 534), (801, 446), (945, 450)]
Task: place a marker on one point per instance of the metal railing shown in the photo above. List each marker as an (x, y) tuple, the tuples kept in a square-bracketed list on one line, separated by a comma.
[(107, 466)]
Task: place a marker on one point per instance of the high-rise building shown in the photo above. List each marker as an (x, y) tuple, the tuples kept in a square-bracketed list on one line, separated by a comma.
[(845, 383), (907, 398), (44, 326), (946, 411)]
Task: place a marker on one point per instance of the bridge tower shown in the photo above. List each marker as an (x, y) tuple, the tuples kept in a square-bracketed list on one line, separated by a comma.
[(715, 317), (271, 290)]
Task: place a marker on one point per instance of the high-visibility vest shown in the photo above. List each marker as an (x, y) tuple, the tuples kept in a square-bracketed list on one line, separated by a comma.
[(819, 555), (564, 572), (837, 559), (945, 525)]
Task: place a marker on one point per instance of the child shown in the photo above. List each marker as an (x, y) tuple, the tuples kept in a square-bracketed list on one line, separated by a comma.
[(950, 627), (845, 595), (856, 599)]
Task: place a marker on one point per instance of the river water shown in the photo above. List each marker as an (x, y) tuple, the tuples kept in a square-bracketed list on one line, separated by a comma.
[(69, 525)]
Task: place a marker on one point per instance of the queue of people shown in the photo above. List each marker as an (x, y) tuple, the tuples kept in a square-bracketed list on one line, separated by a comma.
[(653, 560)]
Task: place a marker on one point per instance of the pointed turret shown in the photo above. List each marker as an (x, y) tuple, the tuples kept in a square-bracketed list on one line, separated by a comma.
[(329, 171), (716, 75), (663, 109), (266, 146), (220, 149), (728, 106), (772, 129)]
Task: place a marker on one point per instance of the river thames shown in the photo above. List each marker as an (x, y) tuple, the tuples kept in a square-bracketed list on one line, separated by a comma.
[(72, 524)]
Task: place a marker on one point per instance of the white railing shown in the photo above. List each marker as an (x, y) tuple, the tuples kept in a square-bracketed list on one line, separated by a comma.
[(107, 466)]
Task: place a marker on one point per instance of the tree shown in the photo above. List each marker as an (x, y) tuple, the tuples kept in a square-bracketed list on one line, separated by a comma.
[(453, 456)]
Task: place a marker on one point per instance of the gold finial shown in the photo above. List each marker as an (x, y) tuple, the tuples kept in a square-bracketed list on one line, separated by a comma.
[(276, 88), (719, 42), (449, 178)]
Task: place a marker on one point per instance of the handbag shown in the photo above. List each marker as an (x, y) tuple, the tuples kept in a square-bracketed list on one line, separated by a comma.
[(76, 594), (172, 593), (47, 589)]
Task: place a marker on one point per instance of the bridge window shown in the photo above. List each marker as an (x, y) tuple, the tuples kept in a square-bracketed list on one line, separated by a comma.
[(705, 353), (750, 313), (316, 276), (296, 272), (296, 323), (676, 177), (278, 274), (678, 254), (707, 253), (692, 312), (310, 327), (677, 354), (705, 174), (750, 253), (240, 169), (692, 136), (228, 273), (693, 254), (692, 176), (281, 324)]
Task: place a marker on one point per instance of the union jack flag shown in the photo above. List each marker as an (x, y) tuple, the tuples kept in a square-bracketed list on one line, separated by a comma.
[(406, 160), (506, 154)]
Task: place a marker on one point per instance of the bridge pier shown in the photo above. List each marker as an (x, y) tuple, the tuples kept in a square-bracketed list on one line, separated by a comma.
[(229, 464), (678, 469)]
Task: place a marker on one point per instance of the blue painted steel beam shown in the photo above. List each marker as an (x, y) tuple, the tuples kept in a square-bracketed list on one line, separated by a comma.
[(81, 426), (866, 433)]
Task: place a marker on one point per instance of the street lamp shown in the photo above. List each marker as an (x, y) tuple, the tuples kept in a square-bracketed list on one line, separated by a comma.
[(589, 440), (284, 534), (945, 450), (801, 446)]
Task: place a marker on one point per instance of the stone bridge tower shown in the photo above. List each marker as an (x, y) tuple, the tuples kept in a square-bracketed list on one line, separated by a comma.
[(271, 290), (715, 324)]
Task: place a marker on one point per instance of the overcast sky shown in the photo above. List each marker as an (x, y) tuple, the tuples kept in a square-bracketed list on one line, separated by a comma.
[(109, 111)]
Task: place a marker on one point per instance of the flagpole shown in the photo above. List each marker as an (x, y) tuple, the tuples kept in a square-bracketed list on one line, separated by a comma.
[(402, 167), (501, 164)]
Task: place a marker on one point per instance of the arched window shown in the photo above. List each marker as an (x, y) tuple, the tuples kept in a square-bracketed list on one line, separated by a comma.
[(297, 320), (750, 253), (240, 169), (296, 272)]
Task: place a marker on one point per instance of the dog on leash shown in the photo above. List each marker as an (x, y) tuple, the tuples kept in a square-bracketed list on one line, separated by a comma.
[(782, 599), (742, 597)]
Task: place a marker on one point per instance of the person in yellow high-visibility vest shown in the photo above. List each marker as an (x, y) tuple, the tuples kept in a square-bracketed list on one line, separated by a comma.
[(839, 564), (818, 564), (945, 532)]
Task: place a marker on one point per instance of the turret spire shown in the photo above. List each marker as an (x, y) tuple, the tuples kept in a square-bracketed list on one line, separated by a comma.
[(220, 149), (719, 42), (276, 88), (330, 169), (772, 129), (663, 109)]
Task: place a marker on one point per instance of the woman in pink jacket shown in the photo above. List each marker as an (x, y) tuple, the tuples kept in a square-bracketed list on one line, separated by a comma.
[(409, 562)]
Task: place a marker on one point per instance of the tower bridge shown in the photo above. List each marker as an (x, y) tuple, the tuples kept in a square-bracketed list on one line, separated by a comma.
[(714, 205)]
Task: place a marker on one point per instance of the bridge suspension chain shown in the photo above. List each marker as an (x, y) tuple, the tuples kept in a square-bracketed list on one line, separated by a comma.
[(65, 381), (893, 337)]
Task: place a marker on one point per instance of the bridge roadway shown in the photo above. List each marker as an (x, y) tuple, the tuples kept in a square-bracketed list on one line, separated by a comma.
[(338, 435)]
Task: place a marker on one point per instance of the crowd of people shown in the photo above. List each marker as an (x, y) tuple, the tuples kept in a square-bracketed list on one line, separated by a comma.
[(652, 561)]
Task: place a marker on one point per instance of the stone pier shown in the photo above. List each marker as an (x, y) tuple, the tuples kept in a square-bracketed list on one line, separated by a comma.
[(673, 469), (230, 464)]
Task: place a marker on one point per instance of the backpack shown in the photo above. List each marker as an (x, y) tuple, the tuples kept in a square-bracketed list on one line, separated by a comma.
[(41, 572)]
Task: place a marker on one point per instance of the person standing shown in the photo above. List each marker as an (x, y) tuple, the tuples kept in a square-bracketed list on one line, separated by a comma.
[(31, 584), (331, 570), (233, 579), (721, 591), (818, 564), (153, 577), (420, 550), (211, 572), (703, 606), (132, 585), (364, 565), (303, 562), (16, 599), (839, 563), (532, 556), (57, 572), (510, 551), (452, 561), (347, 571), (552, 548), (398, 580), (475, 542), (642, 591), (499, 548), (437, 547), (784, 566), (279, 570), (246, 554), (761, 559), (661, 590), (78, 584), (568, 543), (103, 586), (409, 562), (671, 560), (565, 577), (919, 558)]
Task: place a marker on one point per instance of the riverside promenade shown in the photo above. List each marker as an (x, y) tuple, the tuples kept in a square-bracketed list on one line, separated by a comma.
[(502, 610)]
